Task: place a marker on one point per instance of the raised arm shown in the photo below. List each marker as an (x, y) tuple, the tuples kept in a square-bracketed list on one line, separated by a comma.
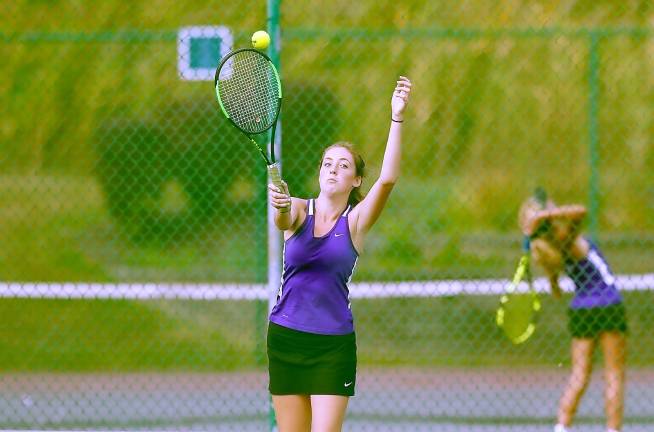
[(534, 217), (572, 212), (368, 210)]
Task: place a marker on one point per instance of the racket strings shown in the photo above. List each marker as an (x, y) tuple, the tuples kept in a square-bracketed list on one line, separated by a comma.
[(249, 91), (519, 305)]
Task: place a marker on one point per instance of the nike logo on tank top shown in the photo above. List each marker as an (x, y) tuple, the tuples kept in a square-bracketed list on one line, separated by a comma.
[(594, 281), (314, 296)]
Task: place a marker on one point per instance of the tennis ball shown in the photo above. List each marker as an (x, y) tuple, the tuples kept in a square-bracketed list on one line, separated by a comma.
[(260, 40)]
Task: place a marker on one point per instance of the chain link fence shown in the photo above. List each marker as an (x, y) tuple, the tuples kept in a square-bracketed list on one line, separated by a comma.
[(133, 219)]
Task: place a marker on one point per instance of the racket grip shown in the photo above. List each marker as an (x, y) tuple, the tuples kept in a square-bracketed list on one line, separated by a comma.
[(276, 179)]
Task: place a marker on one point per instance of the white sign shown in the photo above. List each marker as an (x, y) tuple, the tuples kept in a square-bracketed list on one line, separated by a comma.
[(199, 50)]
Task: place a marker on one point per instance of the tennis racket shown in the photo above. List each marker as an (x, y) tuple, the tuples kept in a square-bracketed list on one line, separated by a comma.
[(249, 93), (518, 309)]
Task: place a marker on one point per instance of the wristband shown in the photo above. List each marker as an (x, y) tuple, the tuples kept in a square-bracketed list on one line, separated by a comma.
[(397, 121)]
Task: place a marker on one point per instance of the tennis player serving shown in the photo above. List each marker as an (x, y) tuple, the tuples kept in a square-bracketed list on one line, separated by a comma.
[(311, 340), (596, 312)]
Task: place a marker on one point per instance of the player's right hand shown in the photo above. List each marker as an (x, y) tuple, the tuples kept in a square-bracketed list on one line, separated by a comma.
[(279, 198)]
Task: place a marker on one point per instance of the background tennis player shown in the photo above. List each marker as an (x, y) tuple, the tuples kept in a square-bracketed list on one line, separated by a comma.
[(596, 312)]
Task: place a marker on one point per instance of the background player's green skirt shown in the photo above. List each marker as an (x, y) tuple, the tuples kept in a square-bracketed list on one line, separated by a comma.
[(589, 323)]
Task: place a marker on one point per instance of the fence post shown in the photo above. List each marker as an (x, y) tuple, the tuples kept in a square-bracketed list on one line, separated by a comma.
[(274, 238), (593, 132)]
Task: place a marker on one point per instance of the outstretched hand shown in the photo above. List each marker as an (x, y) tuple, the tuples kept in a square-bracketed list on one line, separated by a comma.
[(400, 98)]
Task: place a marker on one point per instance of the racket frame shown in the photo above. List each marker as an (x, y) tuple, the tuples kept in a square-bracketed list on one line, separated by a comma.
[(523, 272), (271, 163)]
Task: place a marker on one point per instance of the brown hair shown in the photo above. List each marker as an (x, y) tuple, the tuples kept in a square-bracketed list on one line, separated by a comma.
[(359, 169)]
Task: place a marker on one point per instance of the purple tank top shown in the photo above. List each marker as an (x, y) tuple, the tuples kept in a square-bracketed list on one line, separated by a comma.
[(314, 296), (594, 281)]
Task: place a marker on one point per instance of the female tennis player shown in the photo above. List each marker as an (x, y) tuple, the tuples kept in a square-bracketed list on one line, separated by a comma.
[(596, 313), (311, 340)]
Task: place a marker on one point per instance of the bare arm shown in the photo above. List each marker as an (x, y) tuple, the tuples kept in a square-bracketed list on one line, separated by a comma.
[(554, 286), (572, 212), (367, 211), (551, 260)]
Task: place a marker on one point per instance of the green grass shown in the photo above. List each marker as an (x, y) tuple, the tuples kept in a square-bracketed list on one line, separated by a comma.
[(491, 117), (483, 105), (120, 335), (461, 330), (58, 229)]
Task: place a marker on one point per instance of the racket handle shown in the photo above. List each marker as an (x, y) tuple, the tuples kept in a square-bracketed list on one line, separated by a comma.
[(276, 179)]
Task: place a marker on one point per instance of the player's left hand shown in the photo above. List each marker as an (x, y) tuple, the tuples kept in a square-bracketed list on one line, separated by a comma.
[(400, 98)]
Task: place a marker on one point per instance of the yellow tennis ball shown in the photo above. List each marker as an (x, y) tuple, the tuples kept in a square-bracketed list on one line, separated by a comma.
[(260, 40)]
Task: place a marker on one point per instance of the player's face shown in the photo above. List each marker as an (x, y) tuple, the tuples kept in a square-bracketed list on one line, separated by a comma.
[(338, 172)]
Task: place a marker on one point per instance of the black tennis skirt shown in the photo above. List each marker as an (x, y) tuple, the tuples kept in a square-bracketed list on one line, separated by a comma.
[(589, 323), (309, 363)]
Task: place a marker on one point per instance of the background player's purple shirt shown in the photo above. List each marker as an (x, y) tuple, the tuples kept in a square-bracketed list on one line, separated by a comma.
[(594, 281)]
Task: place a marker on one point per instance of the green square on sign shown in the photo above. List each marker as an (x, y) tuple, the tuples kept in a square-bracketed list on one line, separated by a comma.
[(205, 52), (199, 50)]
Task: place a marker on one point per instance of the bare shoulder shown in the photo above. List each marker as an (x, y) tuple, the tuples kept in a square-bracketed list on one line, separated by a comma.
[(357, 236), (299, 208), (579, 248), (299, 214), (299, 204), (353, 218)]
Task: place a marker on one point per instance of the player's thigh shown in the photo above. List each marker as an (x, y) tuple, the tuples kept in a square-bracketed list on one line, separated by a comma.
[(328, 412), (292, 412)]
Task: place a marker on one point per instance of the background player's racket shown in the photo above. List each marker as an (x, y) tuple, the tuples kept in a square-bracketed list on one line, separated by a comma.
[(518, 310), (249, 93)]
